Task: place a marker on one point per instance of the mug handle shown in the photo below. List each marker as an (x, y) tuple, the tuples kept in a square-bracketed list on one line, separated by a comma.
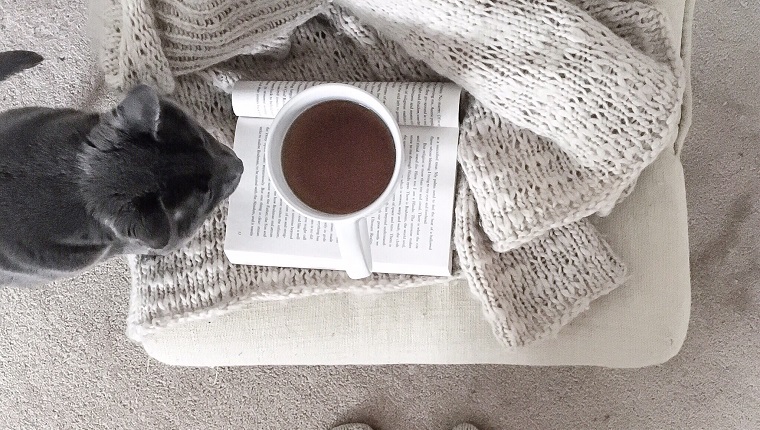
[(353, 242)]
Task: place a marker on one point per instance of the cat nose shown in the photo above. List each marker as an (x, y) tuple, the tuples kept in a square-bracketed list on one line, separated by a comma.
[(235, 170), (232, 176)]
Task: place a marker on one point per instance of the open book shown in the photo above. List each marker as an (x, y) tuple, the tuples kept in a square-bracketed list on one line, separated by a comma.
[(410, 235)]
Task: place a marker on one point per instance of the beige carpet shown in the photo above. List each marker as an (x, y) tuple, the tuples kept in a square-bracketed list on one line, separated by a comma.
[(64, 369)]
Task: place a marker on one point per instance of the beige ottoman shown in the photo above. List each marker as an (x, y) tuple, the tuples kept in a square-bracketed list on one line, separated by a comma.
[(640, 324)]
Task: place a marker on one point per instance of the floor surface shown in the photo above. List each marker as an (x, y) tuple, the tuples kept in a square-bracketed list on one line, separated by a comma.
[(66, 363)]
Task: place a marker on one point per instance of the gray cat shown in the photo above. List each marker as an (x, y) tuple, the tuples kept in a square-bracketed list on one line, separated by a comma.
[(77, 188)]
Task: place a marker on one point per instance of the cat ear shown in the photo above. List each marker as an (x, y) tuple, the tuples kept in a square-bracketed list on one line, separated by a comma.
[(140, 110), (148, 223)]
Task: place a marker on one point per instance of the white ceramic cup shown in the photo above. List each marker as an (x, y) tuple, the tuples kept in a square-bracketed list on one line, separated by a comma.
[(351, 229)]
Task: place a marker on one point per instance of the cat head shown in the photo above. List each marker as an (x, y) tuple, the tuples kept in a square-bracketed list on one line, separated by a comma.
[(152, 174)]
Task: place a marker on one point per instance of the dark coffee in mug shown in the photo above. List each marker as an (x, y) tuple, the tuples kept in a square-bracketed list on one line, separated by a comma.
[(338, 157)]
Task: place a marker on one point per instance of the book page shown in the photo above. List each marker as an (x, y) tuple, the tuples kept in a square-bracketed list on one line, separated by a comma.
[(411, 234), (425, 104)]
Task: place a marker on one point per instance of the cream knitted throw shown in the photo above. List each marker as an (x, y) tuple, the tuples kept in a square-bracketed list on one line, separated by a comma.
[(569, 100)]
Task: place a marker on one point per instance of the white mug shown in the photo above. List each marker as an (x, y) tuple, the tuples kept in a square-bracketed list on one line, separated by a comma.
[(351, 229)]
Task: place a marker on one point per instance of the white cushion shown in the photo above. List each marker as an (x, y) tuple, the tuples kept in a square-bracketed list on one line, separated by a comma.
[(641, 323)]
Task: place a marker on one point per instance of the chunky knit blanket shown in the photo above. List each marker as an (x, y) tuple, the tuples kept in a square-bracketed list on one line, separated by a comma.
[(567, 102)]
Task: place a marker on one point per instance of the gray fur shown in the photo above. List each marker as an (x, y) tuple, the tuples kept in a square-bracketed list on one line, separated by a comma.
[(12, 62), (77, 188)]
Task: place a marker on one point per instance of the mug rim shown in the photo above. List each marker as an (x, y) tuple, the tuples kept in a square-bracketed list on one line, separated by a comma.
[(295, 107)]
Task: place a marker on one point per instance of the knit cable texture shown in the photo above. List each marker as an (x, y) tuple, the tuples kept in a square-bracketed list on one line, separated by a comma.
[(567, 102)]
